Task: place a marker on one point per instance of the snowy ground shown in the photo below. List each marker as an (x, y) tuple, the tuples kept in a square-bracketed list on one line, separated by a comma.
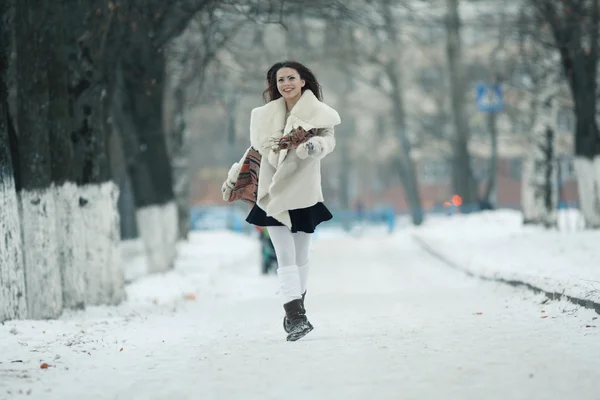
[(497, 245), (391, 322)]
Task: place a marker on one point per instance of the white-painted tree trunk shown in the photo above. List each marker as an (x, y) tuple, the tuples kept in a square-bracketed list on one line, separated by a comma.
[(537, 166), (528, 206), (40, 253), (72, 251), (588, 183), (158, 227), (533, 205), (104, 277), (12, 276)]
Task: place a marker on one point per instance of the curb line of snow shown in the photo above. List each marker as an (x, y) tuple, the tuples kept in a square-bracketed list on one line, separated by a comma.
[(550, 295)]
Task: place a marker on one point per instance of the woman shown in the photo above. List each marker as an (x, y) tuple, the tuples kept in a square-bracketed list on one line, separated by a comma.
[(292, 133)]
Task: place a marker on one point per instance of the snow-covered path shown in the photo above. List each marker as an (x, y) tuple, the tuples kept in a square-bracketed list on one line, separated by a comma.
[(390, 322)]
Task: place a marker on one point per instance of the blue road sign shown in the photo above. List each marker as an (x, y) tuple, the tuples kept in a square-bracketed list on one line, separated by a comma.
[(489, 98)]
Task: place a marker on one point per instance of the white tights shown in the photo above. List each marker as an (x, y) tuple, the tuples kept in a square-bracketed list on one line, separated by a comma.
[(292, 250)]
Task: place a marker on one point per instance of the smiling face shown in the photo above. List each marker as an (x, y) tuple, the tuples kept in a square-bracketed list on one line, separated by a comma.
[(289, 83)]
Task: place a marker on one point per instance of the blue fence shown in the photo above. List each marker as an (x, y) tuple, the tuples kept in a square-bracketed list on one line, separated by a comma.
[(208, 218), (233, 217)]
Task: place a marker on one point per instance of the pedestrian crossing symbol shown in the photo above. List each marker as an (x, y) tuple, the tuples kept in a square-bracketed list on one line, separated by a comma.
[(489, 98)]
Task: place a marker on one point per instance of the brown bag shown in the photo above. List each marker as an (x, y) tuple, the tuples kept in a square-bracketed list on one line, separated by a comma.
[(246, 185)]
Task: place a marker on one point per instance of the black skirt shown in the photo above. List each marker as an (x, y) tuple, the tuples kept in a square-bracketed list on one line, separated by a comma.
[(303, 219)]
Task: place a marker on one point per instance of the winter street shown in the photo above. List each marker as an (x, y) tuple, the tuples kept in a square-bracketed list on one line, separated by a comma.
[(390, 322), (300, 200)]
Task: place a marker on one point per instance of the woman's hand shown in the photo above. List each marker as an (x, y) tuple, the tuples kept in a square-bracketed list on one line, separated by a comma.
[(231, 180), (311, 148), (226, 189)]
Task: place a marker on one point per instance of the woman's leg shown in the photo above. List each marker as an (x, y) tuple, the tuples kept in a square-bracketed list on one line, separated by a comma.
[(302, 245), (295, 322), (287, 270)]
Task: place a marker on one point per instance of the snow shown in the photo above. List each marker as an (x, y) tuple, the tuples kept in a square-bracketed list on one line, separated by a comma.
[(497, 245), (198, 269), (391, 321)]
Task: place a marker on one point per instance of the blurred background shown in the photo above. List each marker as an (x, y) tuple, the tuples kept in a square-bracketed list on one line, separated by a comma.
[(445, 105), (132, 111)]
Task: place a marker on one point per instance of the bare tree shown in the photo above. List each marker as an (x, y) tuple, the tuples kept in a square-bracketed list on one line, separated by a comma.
[(497, 71), (68, 235), (393, 71), (574, 25), (540, 84), (138, 113), (92, 204), (462, 176), (378, 48), (146, 28), (189, 57), (69, 230), (38, 207)]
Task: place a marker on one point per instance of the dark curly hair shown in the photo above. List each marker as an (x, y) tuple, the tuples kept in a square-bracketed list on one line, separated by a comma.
[(271, 93)]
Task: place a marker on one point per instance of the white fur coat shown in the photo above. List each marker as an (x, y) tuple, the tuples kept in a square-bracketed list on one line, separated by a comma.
[(291, 179)]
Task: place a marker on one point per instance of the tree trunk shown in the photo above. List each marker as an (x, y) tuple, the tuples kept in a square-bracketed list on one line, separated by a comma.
[(345, 170), (346, 135), (579, 50), (587, 151), (488, 200), (141, 118), (539, 194), (407, 170), (462, 179), (12, 278), (69, 231), (141, 92), (38, 210), (180, 156), (231, 108), (94, 203), (126, 202), (587, 148), (588, 171), (105, 281), (98, 196)]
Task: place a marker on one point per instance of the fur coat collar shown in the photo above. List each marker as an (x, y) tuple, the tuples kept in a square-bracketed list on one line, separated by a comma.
[(268, 123)]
